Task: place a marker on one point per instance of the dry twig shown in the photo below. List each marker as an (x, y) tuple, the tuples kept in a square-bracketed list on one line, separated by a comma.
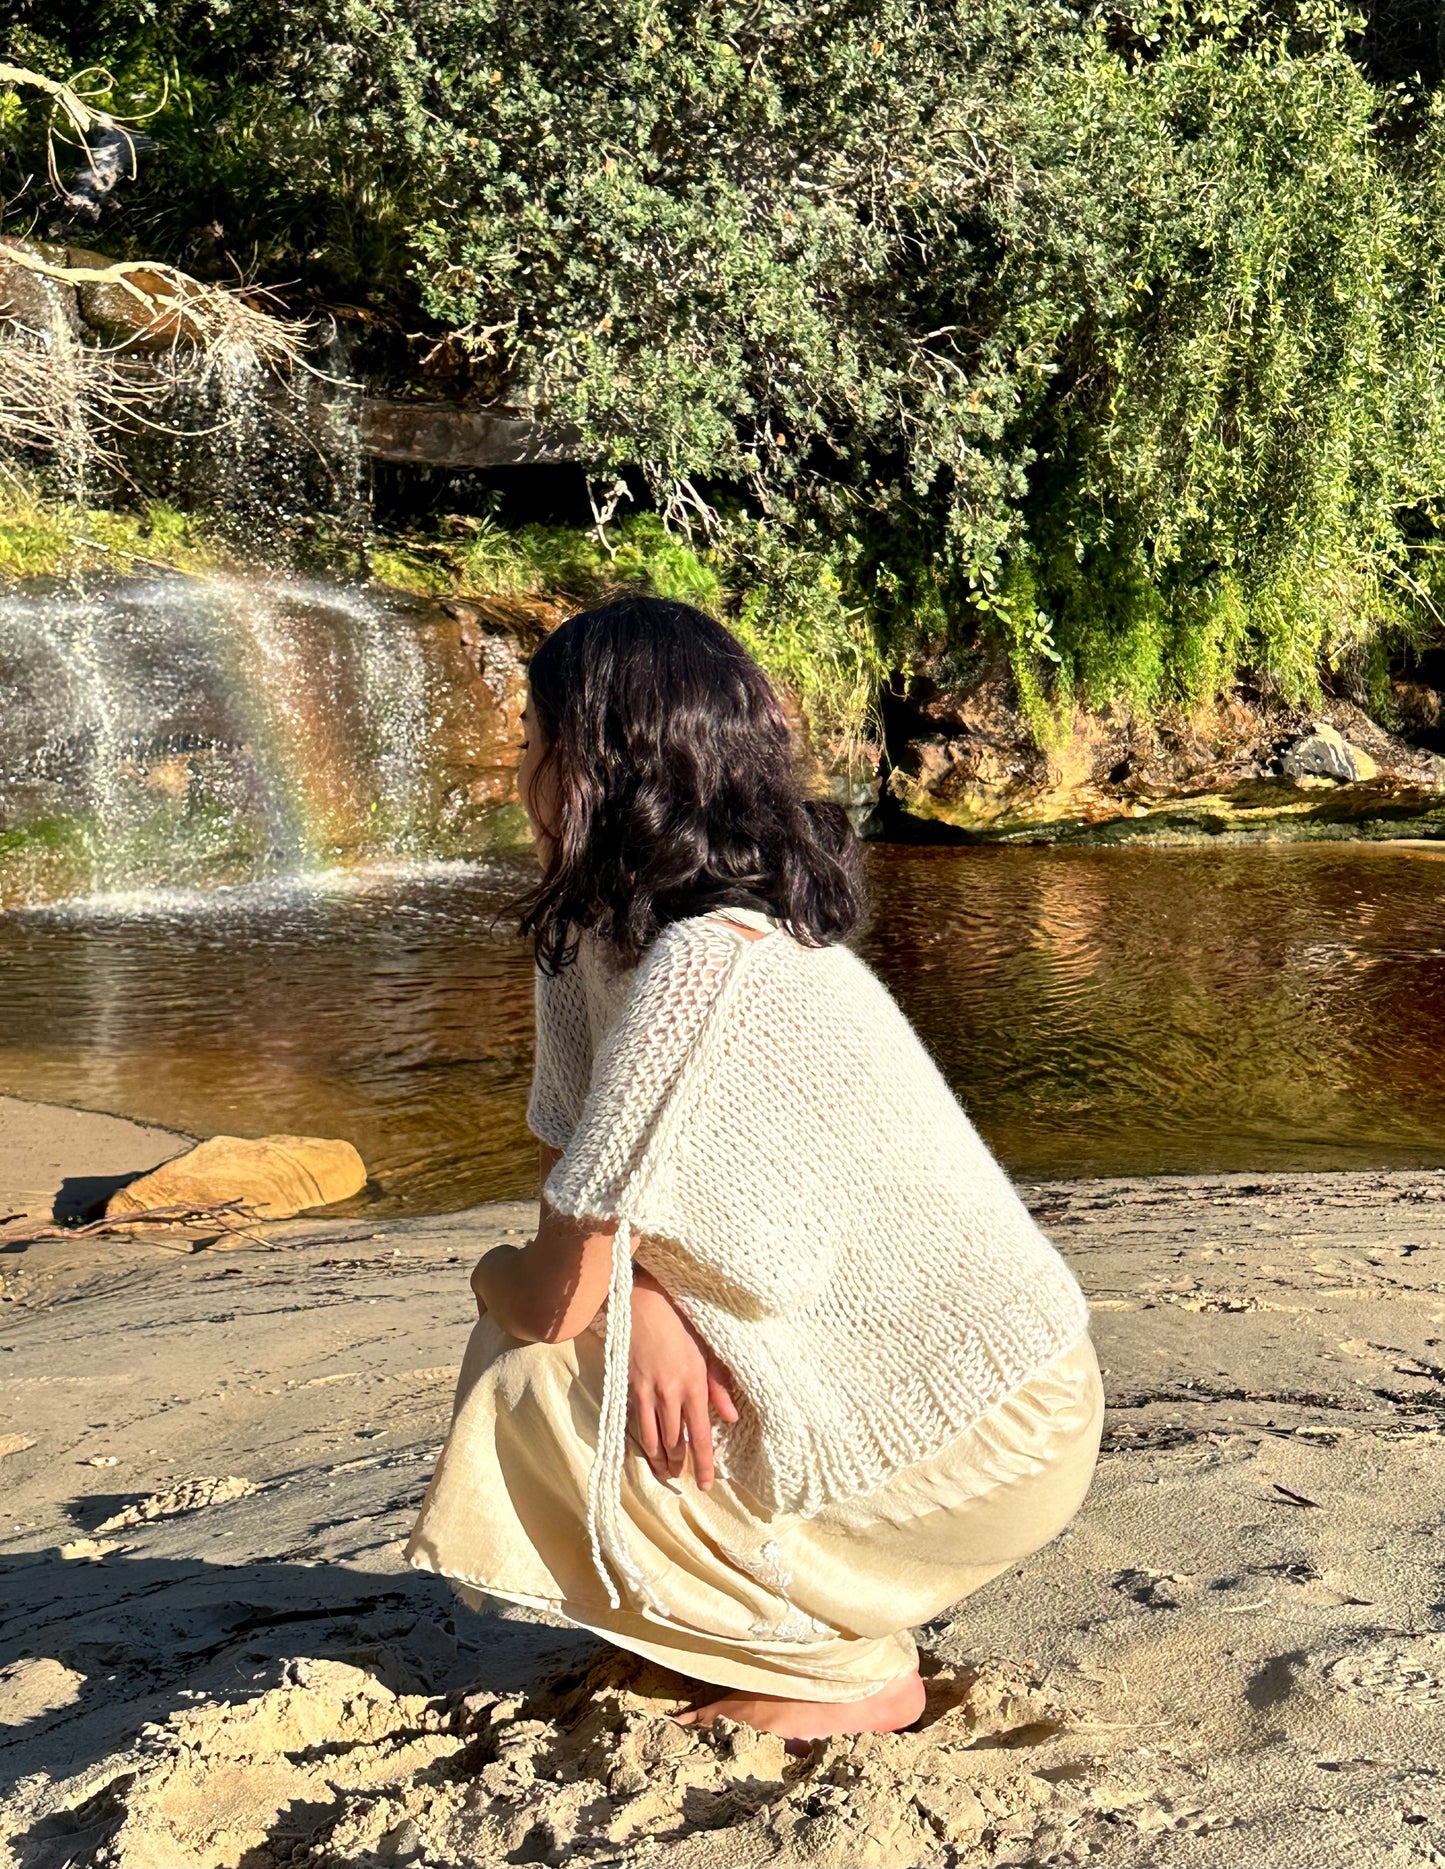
[(215, 1214), (1295, 1499), (68, 102)]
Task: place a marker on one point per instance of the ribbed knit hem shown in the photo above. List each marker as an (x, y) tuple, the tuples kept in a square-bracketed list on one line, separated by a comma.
[(868, 1450), (865, 1449)]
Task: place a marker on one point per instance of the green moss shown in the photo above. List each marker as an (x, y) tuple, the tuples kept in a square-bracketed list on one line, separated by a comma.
[(41, 861), (31, 548), (794, 605), (409, 570), (480, 557), (1102, 625), (799, 610), (50, 836), (1043, 678), (504, 828), (49, 538)]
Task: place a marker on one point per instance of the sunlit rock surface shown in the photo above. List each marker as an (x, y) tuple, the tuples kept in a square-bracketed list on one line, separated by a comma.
[(1243, 766), (272, 1177)]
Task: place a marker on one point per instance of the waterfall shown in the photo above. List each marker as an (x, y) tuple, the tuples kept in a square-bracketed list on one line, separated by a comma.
[(393, 679), (178, 732), (184, 732)]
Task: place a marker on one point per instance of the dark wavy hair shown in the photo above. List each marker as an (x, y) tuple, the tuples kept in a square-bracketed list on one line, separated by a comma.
[(680, 785)]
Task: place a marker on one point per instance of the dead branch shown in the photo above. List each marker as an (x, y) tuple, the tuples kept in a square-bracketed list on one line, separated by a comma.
[(80, 116), (66, 397), (216, 1214), (204, 316)]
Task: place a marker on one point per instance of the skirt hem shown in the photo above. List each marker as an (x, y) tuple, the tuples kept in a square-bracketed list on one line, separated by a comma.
[(714, 1671)]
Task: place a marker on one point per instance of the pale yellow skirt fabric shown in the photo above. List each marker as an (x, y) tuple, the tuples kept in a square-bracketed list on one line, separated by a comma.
[(811, 1609)]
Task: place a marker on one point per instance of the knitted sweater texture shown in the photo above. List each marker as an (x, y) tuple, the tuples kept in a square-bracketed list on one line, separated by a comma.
[(771, 1135)]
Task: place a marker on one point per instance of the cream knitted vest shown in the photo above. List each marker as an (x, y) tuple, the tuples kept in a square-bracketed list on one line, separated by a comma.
[(766, 1127)]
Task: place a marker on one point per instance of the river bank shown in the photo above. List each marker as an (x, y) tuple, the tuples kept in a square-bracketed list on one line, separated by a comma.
[(189, 721), (212, 1655), (50, 1155)]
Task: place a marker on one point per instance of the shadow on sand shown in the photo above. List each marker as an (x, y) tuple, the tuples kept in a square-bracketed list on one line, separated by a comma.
[(153, 1637)]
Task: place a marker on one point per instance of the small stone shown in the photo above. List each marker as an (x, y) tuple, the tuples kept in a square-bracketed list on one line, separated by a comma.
[(1325, 753), (403, 1841)]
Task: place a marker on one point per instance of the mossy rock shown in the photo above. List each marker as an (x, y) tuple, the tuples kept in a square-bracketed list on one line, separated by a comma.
[(29, 299), (115, 311)]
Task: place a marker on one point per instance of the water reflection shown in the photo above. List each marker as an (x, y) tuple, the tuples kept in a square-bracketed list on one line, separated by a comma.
[(1099, 1012), (1151, 1011), (385, 1010)]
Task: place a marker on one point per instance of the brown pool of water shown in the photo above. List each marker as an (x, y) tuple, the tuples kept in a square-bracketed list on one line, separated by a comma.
[(1117, 1011)]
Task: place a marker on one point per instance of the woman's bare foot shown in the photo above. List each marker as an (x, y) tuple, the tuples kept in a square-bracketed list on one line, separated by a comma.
[(888, 1711)]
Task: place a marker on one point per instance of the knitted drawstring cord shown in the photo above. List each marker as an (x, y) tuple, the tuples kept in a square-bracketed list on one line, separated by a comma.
[(604, 1482)]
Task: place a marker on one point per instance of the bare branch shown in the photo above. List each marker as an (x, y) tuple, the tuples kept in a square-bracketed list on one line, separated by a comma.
[(80, 116), (231, 1217)]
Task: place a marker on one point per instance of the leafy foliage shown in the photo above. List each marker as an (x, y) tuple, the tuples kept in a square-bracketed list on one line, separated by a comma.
[(1109, 331), (789, 602)]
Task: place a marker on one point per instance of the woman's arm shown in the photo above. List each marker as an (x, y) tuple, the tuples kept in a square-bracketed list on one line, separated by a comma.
[(539, 1295), (550, 1290), (673, 1383)]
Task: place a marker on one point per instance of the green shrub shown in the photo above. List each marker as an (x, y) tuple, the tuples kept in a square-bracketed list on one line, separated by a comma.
[(41, 537), (1106, 333)]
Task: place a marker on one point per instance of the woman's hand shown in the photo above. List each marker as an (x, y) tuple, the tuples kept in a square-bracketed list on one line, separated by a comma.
[(673, 1385)]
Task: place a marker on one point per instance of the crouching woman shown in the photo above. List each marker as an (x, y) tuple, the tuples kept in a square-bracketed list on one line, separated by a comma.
[(788, 1368)]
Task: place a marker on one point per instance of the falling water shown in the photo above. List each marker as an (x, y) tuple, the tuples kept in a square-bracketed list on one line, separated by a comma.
[(182, 732), (178, 733), (393, 678), (98, 690)]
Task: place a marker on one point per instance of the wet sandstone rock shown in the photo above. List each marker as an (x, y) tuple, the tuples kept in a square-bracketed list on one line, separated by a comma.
[(271, 1177), (43, 309), (148, 314)]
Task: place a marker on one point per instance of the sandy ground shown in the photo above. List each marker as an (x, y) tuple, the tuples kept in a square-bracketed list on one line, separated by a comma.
[(210, 1654), (52, 1157)]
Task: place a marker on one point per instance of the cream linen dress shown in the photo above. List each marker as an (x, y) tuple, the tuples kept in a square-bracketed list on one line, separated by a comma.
[(814, 1608)]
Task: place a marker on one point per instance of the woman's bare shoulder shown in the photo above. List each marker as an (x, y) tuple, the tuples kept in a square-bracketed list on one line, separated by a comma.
[(748, 934)]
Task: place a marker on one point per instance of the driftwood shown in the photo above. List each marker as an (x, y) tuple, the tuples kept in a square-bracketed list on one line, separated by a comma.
[(217, 1214), (68, 102), (204, 316)]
